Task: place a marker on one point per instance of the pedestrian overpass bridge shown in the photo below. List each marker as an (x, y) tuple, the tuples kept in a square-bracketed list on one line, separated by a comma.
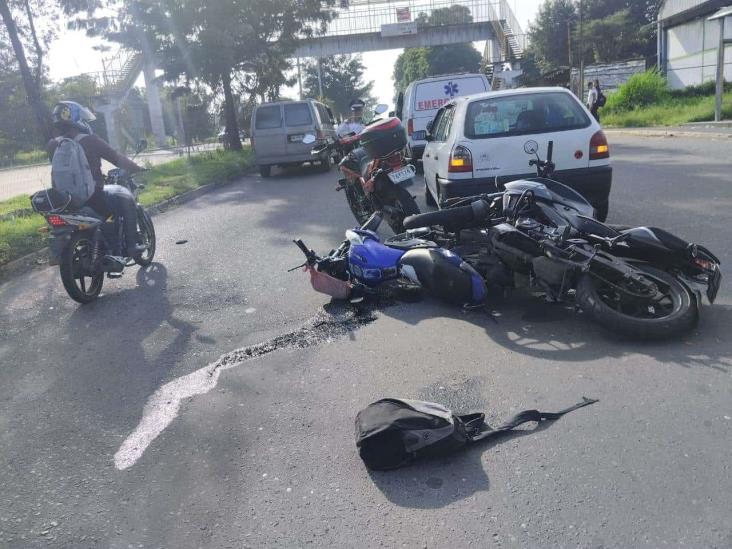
[(372, 25)]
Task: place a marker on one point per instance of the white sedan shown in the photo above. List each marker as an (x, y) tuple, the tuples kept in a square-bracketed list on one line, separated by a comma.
[(475, 140)]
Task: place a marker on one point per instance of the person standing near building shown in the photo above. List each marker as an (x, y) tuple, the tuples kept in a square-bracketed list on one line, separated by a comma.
[(592, 100)]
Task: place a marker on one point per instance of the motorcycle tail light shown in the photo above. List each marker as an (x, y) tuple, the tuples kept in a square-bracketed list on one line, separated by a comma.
[(461, 160), (55, 221), (410, 126), (598, 146), (703, 264)]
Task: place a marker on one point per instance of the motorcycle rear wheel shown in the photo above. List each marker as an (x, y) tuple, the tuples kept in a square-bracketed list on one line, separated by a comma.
[(146, 230), (72, 267), (635, 318)]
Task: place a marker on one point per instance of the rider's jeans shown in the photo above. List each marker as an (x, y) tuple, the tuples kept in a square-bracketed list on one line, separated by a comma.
[(121, 202)]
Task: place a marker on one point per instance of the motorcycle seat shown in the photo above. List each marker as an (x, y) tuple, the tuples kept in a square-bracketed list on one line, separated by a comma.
[(410, 244)]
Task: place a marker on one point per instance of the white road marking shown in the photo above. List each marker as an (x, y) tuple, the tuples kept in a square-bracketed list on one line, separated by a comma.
[(162, 408)]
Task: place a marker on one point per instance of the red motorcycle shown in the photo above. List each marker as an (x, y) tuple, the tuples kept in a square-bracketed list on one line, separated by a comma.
[(376, 173)]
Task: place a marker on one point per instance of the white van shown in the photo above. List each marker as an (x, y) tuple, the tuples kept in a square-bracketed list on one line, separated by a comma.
[(423, 98)]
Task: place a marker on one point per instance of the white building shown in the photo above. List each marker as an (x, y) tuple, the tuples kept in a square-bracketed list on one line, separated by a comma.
[(687, 42)]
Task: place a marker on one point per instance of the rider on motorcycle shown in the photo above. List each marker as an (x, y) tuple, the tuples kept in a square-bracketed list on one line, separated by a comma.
[(71, 119), (354, 124)]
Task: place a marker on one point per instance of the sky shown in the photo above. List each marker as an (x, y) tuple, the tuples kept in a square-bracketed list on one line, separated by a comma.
[(72, 53)]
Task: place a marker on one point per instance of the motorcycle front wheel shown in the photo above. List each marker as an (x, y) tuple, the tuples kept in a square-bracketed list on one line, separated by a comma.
[(146, 230), (360, 205), (672, 311), (81, 285), (405, 205)]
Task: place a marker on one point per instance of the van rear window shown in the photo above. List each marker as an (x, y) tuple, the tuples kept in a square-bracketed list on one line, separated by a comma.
[(524, 114), (298, 114), (268, 117)]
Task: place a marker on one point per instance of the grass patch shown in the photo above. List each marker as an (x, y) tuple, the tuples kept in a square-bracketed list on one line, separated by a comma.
[(645, 100), (673, 111), (19, 225), (25, 158)]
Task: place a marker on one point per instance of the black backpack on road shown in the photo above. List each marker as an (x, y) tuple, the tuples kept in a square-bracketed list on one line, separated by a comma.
[(392, 432)]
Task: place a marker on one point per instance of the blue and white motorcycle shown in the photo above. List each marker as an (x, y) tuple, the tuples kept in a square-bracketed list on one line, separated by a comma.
[(362, 263)]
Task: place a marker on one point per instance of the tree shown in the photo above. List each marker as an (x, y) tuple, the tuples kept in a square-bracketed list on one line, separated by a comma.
[(216, 42), (549, 34), (18, 31), (342, 79), (416, 63)]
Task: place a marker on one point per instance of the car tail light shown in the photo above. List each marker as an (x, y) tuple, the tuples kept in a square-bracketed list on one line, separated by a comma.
[(319, 135), (460, 160), (598, 146), (410, 126), (55, 221)]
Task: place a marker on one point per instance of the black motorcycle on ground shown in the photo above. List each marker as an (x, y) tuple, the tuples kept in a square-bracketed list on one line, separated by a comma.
[(87, 246), (640, 282)]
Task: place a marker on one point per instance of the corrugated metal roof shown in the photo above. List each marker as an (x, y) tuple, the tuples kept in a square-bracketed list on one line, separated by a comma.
[(671, 8)]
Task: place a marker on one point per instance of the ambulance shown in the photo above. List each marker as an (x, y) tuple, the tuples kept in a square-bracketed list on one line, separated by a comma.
[(419, 103)]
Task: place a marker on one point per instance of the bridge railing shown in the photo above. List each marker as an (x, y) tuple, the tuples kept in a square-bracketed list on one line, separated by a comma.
[(364, 17)]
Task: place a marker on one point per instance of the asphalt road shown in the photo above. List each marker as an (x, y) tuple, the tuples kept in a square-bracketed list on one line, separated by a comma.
[(209, 401)]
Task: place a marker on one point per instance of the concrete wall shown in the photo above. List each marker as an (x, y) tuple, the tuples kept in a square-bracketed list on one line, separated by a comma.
[(691, 52)]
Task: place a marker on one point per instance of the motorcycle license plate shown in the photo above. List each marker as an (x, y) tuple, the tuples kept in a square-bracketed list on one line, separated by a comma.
[(297, 138), (402, 174)]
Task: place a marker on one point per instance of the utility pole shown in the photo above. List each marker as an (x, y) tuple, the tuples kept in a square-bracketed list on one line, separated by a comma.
[(299, 78), (320, 82), (582, 55), (720, 15)]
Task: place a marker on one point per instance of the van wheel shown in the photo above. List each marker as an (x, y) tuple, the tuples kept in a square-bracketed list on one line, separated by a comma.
[(265, 171), (428, 196), (325, 164)]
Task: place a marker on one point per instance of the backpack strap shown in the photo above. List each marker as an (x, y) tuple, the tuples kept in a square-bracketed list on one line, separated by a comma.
[(79, 137), (525, 417)]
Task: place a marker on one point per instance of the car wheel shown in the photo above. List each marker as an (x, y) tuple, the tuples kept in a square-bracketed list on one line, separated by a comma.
[(265, 171), (428, 196), (601, 210)]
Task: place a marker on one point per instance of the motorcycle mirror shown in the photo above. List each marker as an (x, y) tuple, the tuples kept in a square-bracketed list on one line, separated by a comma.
[(381, 108), (308, 138), (531, 147)]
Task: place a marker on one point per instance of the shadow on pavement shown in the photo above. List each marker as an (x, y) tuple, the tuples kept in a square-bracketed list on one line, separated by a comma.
[(438, 482), (530, 326), (113, 340)]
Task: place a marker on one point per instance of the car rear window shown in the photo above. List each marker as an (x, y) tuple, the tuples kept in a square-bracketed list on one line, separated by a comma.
[(268, 117), (298, 114), (523, 114)]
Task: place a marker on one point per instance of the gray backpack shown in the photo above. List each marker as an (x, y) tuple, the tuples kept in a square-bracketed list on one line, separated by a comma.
[(70, 172)]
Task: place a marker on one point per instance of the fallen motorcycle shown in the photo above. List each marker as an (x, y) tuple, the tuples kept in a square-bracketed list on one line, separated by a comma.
[(375, 173), (640, 282), (362, 264)]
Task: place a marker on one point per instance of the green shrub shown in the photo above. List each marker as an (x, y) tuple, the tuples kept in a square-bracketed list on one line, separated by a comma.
[(640, 90)]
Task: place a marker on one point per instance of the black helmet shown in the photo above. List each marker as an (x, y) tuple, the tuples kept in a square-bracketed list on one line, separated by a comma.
[(69, 114), (357, 104)]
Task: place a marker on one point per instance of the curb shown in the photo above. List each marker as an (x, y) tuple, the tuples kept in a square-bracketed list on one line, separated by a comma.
[(667, 133), (39, 259)]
